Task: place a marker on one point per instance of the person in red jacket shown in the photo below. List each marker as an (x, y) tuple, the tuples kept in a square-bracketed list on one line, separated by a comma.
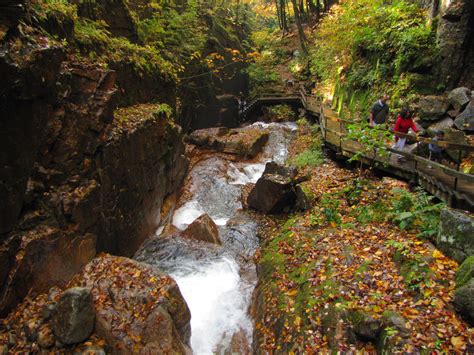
[(403, 124)]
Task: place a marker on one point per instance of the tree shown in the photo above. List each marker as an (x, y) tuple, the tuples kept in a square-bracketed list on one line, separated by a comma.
[(300, 27)]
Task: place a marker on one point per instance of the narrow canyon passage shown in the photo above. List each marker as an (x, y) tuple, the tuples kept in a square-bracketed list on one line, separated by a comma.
[(217, 281)]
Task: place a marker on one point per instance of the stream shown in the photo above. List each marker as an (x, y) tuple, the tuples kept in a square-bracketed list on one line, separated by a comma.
[(217, 281)]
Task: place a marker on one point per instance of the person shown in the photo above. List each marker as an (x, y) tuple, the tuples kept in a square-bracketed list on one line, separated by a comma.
[(436, 152), (403, 124), (379, 111)]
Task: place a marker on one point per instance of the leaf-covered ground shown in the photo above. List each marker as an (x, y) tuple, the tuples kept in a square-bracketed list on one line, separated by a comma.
[(348, 254)]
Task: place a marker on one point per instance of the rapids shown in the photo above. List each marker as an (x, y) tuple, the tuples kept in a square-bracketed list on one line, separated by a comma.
[(217, 281)]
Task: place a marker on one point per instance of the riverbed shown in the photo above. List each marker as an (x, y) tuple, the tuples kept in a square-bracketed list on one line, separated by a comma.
[(217, 281)]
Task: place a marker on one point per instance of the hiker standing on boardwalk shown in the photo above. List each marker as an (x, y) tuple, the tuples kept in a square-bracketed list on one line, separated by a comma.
[(403, 124), (379, 111)]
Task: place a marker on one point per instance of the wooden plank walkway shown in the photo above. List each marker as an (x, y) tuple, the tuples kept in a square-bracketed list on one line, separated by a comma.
[(453, 187), (448, 184)]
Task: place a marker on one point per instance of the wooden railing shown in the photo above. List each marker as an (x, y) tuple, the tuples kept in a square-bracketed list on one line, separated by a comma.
[(458, 175)]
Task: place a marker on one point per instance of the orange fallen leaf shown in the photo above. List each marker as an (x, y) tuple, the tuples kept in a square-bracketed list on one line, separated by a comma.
[(458, 342)]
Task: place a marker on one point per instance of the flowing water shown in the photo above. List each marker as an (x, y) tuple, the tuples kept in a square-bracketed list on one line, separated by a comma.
[(217, 281)]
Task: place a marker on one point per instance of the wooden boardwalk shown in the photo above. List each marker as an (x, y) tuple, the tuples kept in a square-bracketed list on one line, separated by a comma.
[(448, 184)]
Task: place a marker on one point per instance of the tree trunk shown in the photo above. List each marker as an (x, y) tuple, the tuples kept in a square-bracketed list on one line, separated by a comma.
[(300, 27), (280, 23), (284, 19), (311, 6), (434, 10)]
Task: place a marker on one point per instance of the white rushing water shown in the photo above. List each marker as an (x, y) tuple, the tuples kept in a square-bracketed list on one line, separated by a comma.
[(217, 302), (215, 288)]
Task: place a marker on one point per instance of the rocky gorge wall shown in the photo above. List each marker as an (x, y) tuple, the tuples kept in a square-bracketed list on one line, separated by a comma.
[(74, 179), (456, 42)]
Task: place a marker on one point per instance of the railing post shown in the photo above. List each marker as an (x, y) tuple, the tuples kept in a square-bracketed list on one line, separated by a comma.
[(417, 150), (457, 168)]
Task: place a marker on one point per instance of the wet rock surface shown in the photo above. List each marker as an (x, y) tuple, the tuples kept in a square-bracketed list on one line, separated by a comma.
[(204, 229), (93, 177), (245, 143), (56, 254), (275, 191)]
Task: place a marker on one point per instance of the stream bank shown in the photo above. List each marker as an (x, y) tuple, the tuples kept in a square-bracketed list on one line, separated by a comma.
[(351, 274)]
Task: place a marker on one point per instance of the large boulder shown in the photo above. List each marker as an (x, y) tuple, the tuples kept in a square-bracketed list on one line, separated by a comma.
[(203, 229), (274, 191), (49, 257), (465, 121), (441, 125), (456, 234), (459, 97), (73, 319), (431, 107), (204, 137), (464, 301), (245, 143), (454, 135), (138, 308)]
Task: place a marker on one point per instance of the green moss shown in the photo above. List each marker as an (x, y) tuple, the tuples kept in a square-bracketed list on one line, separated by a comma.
[(61, 9), (465, 272), (96, 42), (391, 47)]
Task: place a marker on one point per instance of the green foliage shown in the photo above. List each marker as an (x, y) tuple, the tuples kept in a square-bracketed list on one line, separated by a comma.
[(328, 211), (61, 9), (262, 77), (416, 211), (281, 113), (178, 35), (313, 156), (308, 158), (366, 44), (373, 141), (375, 212), (95, 41), (164, 110)]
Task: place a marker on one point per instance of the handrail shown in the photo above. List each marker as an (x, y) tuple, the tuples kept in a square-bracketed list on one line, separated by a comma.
[(442, 144), (447, 170)]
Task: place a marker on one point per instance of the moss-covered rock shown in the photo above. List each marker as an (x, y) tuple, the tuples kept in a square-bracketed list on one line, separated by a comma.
[(394, 334), (456, 234), (364, 325), (465, 272), (464, 301)]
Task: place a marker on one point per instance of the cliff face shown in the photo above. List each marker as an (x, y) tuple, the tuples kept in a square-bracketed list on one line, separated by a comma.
[(74, 179), (456, 42)]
